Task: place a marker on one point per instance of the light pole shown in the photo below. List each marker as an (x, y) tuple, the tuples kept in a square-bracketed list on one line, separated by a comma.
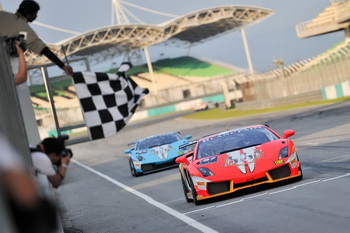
[(279, 63)]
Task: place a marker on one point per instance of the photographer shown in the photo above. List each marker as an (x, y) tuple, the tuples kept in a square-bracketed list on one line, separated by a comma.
[(28, 210), (14, 24), (51, 158)]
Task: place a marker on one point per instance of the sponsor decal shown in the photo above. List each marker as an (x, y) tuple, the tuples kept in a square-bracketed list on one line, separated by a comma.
[(161, 151), (209, 160), (280, 161), (244, 158)]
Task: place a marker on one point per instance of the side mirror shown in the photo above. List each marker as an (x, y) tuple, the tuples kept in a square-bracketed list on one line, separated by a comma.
[(188, 136), (288, 133), (127, 151), (182, 159)]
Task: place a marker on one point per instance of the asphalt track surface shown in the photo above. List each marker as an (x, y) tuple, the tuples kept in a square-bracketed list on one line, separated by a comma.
[(100, 195)]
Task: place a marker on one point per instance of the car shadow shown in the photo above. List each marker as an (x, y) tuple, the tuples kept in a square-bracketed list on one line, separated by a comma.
[(247, 191)]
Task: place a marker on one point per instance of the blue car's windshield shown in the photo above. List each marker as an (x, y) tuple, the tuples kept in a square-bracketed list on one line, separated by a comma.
[(234, 140), (157, 141)]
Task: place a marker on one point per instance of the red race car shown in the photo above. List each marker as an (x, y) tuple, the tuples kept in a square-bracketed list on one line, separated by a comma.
[(228, 161)]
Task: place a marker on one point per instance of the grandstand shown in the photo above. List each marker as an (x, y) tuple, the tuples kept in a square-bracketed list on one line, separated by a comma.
[(177, 80), (177, 72), (329, 69), (173, 81), (169, 74), (192, 79), (188, 79), (334, 18)]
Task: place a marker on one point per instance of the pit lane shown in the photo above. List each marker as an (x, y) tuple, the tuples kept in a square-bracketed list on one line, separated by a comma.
[(318, 203)]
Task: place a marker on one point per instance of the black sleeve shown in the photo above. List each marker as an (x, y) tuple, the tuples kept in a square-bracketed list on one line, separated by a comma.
[(50, 55)]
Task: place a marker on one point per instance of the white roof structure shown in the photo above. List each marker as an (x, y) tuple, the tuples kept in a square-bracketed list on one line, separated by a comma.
[(193, 28)]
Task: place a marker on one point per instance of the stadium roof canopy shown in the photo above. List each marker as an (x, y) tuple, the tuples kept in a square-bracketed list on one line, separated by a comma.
[(193, 28)]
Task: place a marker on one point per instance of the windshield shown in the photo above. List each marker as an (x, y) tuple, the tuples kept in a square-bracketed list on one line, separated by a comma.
[(234, 140), (158, 140)]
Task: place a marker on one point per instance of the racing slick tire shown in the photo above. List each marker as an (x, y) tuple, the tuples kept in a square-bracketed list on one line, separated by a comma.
[(185, 190), (194, 193), (133, 170), (299, 178)]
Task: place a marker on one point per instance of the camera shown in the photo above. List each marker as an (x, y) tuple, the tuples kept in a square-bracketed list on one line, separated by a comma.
[(11, 43), (66, 151)]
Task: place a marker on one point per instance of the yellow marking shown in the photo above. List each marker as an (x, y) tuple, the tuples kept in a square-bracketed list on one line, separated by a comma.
[(279, 162)]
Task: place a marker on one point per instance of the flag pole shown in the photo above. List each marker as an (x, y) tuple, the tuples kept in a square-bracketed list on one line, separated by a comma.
[(65, 55)]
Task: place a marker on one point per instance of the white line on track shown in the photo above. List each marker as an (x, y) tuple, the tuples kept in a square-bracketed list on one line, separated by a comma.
[(336, 159), (180, 199), (311, 144), (268, 193), (191, 222), (337, 177)]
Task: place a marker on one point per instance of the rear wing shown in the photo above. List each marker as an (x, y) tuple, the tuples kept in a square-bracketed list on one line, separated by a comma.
[(188, 146), (131, 143)]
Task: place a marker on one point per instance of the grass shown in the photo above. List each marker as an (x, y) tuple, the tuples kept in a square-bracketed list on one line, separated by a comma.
[(232, 113)]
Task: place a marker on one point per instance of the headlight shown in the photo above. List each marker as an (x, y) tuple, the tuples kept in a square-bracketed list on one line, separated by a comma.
[(137, 164), (140, 158), (205, 171), (200, 182), (283, 153), (292, 160)]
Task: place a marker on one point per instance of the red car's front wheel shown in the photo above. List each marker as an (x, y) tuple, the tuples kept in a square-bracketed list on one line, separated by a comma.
[(185, 189)]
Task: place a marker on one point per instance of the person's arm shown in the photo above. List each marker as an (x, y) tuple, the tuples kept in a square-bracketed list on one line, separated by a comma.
[(38, 46), (21, 75), (57, 179), (50, 55)]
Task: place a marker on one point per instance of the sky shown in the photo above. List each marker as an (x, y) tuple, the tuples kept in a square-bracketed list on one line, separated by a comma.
[(273, 38)]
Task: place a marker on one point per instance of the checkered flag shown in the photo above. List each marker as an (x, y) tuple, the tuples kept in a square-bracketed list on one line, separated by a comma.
[(108, 101)]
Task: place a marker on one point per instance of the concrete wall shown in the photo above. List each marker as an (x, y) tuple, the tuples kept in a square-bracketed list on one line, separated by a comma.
[(180, 106), (292, 99), (336, 91)]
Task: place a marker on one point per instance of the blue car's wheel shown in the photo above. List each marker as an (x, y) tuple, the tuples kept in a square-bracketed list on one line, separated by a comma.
[(132, 169)]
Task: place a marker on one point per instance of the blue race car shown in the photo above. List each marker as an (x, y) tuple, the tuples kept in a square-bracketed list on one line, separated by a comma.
[(156, 152)]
